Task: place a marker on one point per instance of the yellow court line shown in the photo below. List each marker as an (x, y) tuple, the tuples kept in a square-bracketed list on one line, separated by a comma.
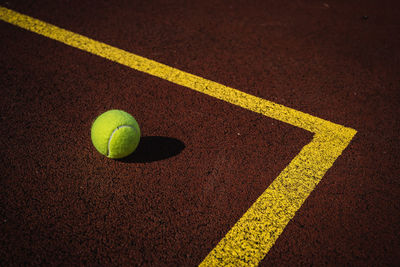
[(250, 239)]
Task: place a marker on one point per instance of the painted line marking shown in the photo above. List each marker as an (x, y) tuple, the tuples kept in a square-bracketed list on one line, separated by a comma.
[(250, 239)]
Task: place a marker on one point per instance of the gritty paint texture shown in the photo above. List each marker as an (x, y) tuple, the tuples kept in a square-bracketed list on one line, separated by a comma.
[(250, 239)]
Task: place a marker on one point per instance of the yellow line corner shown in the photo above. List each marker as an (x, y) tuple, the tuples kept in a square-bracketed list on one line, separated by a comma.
[(250, 239)]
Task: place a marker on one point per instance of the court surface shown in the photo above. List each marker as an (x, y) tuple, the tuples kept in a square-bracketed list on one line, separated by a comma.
[(269, 133)]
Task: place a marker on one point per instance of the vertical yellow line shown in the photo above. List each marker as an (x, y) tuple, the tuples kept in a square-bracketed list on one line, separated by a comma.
[(250, 239)]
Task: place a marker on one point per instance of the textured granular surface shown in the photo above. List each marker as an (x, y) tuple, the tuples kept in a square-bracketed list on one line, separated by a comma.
[(202, 162)]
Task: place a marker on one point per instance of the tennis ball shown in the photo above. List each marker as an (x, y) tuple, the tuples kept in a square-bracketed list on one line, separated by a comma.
[(115, 134)]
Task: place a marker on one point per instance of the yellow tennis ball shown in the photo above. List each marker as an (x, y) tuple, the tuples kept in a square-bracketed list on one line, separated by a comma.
[(115, 134)]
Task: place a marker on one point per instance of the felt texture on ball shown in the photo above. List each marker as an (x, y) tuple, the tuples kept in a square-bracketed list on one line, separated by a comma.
[(115, 134)]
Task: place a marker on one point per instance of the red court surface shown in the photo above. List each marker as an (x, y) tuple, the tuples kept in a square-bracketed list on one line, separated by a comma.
[(201, 162)]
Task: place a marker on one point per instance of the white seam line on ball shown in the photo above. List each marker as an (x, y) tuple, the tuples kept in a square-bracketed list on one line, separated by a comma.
[(111, 136)]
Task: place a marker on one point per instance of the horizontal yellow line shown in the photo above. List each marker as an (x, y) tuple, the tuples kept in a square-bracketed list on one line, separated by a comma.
[(250, 239), (236, 97)]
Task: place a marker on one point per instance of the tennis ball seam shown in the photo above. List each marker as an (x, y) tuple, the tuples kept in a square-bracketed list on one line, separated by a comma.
[(112, 134)]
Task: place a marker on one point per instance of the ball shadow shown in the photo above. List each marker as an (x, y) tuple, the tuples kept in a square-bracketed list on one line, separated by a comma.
[(155, 148)]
